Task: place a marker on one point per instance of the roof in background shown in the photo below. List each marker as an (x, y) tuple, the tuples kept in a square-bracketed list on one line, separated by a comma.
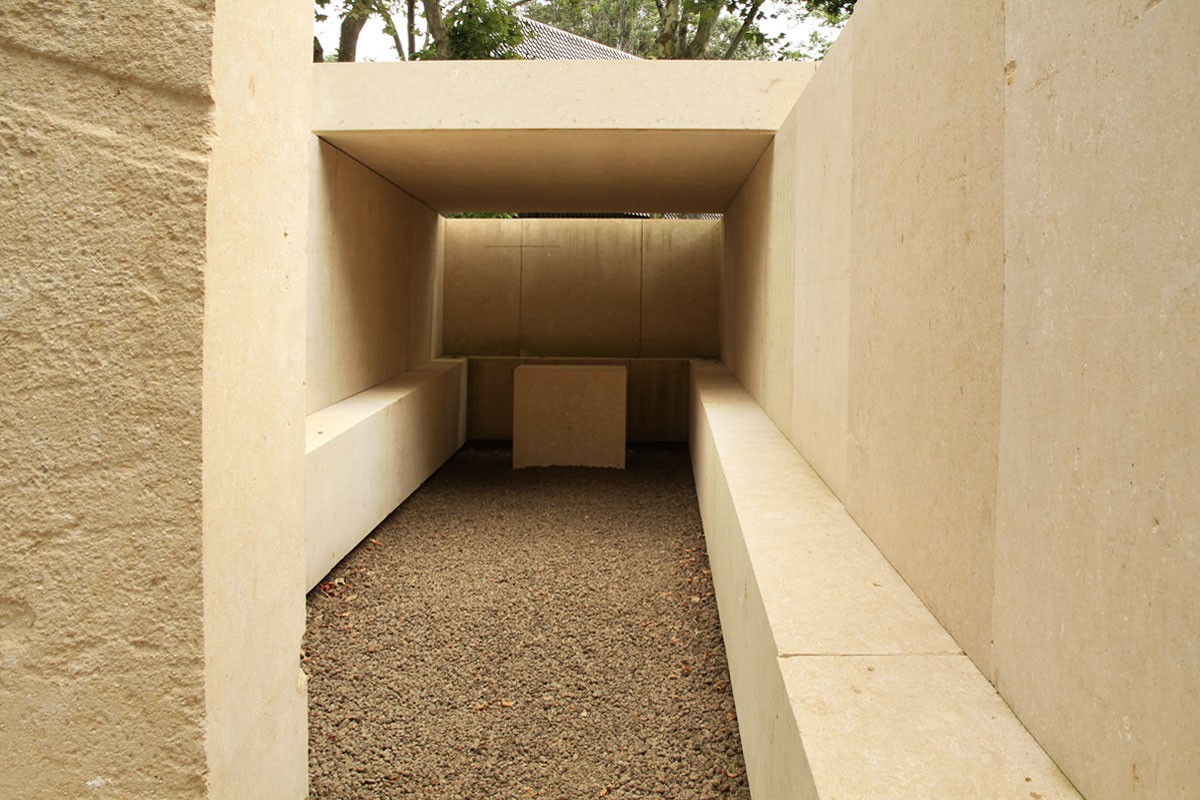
[(546, 43)]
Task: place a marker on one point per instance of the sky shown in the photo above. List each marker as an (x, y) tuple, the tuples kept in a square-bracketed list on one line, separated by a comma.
[(375, 45)]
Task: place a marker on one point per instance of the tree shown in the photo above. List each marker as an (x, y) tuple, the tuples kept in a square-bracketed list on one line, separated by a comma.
[(670, 29), (471, 29), (724, 29), (476, 30), (354, 15)]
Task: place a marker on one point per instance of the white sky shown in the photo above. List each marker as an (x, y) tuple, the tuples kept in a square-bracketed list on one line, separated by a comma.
[(375, 45)]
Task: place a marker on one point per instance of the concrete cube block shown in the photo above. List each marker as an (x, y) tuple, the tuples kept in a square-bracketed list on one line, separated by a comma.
[(569, 416)]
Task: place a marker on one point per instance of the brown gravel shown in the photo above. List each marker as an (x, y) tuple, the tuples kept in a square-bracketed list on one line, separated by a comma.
[(545, 633)]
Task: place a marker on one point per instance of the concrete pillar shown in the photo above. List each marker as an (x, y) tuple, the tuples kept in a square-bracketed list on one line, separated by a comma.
[(152, 187)]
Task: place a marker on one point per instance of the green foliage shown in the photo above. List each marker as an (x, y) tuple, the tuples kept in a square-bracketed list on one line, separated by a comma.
[(640, 26), (482, 29), (490, 29)]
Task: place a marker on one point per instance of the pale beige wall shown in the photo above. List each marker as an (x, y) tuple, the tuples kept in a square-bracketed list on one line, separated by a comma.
[(582, 287), (104, 131), (863, 291), (757, 285), (1097, 617), (995, 299), (822, 123), (374, 281), (253, 414), (926, 299)]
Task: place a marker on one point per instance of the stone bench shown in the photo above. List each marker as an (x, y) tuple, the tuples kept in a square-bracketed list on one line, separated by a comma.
[(364, 455), (846, 686)]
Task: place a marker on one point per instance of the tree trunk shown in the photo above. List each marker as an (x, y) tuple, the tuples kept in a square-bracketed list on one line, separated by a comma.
[(622, 24), (746, 23), (436, 28), (318, 51), (668, 29), (352, 25), (412, 28), (391, 26), (707, 14)]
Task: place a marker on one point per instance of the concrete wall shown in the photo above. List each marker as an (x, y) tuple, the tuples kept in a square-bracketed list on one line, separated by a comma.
[(1097, 618), (253, 416), (150, 458), (983, 336), (637, 293), (374, 279), (582, 287)]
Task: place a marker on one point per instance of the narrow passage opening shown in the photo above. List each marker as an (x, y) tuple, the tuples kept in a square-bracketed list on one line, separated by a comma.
[(547, 633)]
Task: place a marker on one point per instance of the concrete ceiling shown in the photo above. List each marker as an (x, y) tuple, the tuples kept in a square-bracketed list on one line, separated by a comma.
[(558, 136), (604, 171)]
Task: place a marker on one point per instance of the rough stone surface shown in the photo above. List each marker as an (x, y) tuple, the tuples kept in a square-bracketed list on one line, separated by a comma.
[(532, 633), (104, 126)]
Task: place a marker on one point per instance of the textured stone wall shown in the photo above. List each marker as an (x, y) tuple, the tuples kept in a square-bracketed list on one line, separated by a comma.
[(105, 123), (150, 610)]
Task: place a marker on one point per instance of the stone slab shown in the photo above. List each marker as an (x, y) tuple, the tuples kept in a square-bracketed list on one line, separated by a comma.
[(569, 416), (802, 594), (912, 727), (369, 452)]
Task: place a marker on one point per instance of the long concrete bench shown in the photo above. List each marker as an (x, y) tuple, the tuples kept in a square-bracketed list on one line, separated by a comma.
[(369, 452), (845, 684)]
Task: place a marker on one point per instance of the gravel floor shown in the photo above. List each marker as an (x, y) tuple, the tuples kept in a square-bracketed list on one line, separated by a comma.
[(544, 633)]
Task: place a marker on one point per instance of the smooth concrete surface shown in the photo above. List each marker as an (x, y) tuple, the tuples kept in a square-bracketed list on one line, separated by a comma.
[(912, 727), (992, 347), (835, 662), (1097, 613), (757, 288), (863, 291), (482, 314), (927, 289), (582, 287), (367, 453), (681, 274), (569, 416), (373, 280), (254, 338), (657, 400), (561, 170), (556, 95), (559, 136), (426, 287), (820, 389)]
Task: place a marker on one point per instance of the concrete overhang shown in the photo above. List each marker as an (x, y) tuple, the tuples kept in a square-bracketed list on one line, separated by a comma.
[(571, 136)]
